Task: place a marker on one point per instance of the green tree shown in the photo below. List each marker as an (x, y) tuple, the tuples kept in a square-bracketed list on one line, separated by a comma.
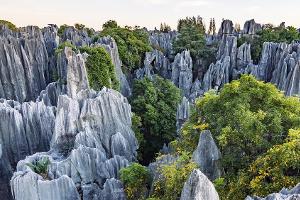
[(79, 26), (155, 102), (272, 171), (100, 69), (165, 28), (132, 43), (136, 180), (10, 25)]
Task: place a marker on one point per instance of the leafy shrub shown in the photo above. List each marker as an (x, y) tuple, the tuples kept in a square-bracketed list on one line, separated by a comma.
[(155, 102), (170, 184), (62, 29), (132, 43), (100, 69), (63, 45), (136, 179), (10, 25), (274, 170), (40, 167)]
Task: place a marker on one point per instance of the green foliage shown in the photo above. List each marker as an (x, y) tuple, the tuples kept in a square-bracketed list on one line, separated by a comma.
[(132, 43), (63, 45), (100, 69), (62, 29), (79, 26), (191, 21), (136, 127), (269, 34), (247, 118), (10, 25), (173, 177), (278, 168), (165, 28), (136, 179), (40, 167), (155, 102)]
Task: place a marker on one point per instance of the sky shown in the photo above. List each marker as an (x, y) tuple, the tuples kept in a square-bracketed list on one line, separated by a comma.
[(147, 13)]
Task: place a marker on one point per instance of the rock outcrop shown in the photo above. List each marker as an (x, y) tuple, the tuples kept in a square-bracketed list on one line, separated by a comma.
[(182, 72), (92, 141), (208, 156), (76, 37), (226, 28), (183, 113), (163, 41), (111, 47), (251, 27), (24, 63), (198, 187), (25, 129), (284, 194)]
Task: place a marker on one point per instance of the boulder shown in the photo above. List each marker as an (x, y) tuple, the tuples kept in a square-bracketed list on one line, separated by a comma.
[(198, 187), (208, 156)]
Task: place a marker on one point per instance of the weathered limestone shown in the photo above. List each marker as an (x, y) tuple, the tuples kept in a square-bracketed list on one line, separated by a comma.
[(251, 27), (76, 37), (226, 28), (208, 156), (163, 41), (183, 113), (284, 194), (23, 63), (92, 141), (198, 187), (111, 47), (182, 72)]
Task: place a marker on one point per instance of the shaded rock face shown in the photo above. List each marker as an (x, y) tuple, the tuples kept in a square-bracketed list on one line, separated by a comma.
[(155, 63), (284, 194), (92, 141), (76, 37), (24, 63), (163, 41), (182, 72), (208, 156), (111, 47), (183, 113), (280, 65), (198, 187), (251, 27), (25, 129), (226, 28), (72, 72)]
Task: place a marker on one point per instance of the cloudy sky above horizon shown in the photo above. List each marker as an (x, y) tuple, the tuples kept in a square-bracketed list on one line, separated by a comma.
[(146, 13)]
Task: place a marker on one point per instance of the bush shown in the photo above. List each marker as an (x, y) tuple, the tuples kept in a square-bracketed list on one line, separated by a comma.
[(136, 179), (10, 25), (132, 44), (61, 47), (274, 170), (40, 167), (155, 102), (101, 72), (173, 177)]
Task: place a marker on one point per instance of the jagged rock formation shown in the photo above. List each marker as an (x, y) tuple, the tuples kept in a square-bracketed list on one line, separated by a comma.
[(284, 194), (76, 37), (71, 71), (24, 63), (280, 65), (182, 72), (25, 129), (208, 156), (163, 41), (198, 187), (155, 63), (111, 47), (226, 28), (183, 113), (251, 27), (92, 141)]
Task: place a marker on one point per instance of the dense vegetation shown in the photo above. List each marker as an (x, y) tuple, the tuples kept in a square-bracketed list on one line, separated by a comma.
[(155, 103), (250, 121), (132, 43), (192, 37), (136, 179), (269, 34), (10, 25), (100, 69)]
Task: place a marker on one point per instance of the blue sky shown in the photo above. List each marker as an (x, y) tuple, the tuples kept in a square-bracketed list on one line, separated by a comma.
[(148, 13)]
